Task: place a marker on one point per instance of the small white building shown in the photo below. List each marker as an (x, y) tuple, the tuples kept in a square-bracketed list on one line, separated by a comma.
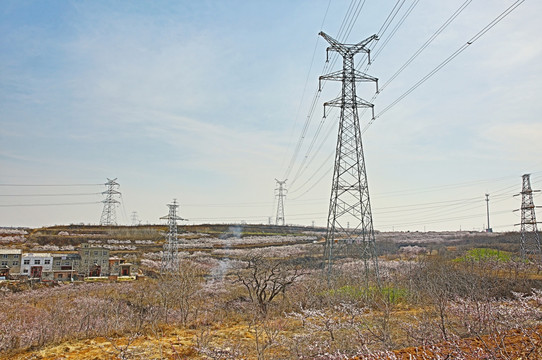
[(35, 264)]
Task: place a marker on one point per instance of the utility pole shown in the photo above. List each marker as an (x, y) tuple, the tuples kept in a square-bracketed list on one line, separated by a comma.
[(170, 255), (489, 229), (109, 215), (530, 239), (350, 230), (280, 194)]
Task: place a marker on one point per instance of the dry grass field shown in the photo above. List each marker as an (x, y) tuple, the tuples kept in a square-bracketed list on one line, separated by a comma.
[(257, 292)]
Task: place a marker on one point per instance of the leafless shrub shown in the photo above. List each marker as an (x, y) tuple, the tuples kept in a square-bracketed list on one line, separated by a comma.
[(265, 279)]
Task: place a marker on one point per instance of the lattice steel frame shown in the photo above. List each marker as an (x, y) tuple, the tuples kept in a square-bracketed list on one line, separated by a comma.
[(109, 214), (170, 255), (530, 238), (349, 201), (280, 194)]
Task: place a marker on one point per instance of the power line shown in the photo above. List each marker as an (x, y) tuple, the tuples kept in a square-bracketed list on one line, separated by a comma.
[(57, 185), (309, 72), (57, 204), (382, 30), (32, 195), (442, 220), (394, 31), (393, 13), (427, 43), (351, 17), (447, 60)]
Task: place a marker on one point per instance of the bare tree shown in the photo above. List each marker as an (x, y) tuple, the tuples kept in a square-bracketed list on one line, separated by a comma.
[(265, 279)]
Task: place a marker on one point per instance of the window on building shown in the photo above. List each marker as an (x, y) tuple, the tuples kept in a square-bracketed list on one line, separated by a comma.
[(95, 253), (25, 270), (86, 261), (76, 262), (5, 256), (104, 253), (104, 261), (60, 276), (47, 262), (15, 263), (86, 252), (26, 262), (37, 262), (4, 263), (57, 263)]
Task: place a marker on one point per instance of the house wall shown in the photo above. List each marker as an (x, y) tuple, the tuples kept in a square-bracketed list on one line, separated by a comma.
[(91, 256), (12, 259), (30, 260)]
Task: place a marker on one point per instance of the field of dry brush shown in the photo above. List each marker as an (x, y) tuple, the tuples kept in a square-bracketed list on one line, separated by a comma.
[(259, 293)]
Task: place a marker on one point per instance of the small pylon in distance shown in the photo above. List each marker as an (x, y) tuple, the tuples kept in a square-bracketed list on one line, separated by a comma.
[(170, 255), (109, 214), (280, 194), (530, 238)]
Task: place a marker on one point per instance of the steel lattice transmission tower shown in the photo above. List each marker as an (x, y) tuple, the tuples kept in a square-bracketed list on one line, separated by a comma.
[(280, 194), (350, 223), (530, 238), (109, 215), (135, 219), (170, 255)]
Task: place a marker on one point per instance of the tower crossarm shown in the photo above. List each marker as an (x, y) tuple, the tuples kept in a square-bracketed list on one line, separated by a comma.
[(357, 76), (167, 217), (111, 201), (347, 49), (340, 102), (112, 182)]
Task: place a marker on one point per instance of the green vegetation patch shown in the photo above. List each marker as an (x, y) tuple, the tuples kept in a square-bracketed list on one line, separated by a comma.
[(393, 295), (485, 254)]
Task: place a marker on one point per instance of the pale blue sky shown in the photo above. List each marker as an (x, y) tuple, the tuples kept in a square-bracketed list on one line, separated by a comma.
[(204, 101)]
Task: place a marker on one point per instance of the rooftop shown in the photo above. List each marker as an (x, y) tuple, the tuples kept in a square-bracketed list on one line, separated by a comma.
[(11, 251), (37, 255)]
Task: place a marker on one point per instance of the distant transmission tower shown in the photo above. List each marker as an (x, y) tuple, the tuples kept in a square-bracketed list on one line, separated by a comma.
[(530, 239), (135, 219), (170, 256), (109, 215), (281, 194), (350, 223)]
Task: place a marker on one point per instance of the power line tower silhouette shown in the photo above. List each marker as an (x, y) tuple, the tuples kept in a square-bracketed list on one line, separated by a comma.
[(170, 255), (109, 215), (350, 230), (530, 239), (135, 219), (280, 194)]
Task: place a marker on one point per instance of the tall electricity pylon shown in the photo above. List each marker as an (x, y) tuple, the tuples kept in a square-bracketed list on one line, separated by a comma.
[(350, 230), (170, 255), (109, 215), (530, 239), (280, 194)]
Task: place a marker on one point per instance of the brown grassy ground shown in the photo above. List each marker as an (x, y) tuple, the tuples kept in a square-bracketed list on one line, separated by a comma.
[(513, 344), (181, 344)]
